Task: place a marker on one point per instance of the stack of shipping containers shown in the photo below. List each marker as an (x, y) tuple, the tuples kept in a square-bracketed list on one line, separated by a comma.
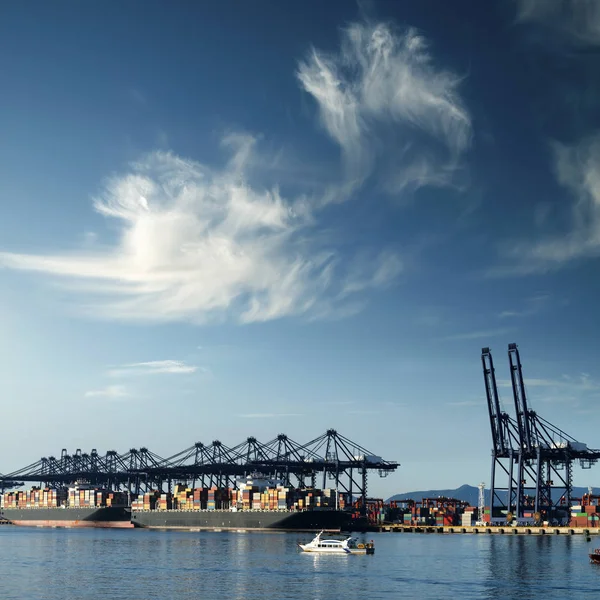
[(35, 498), (52, 498), (469, 516), (247, 497), (586, 514)]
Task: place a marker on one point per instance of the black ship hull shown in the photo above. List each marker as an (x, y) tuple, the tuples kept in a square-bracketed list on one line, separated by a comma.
[(309, 520)]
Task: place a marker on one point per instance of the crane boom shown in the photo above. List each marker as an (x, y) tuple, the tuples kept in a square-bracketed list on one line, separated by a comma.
[(491, 390), (520, 398)]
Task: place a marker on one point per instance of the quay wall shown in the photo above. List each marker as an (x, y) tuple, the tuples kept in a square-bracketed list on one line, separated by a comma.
[(489, 530)]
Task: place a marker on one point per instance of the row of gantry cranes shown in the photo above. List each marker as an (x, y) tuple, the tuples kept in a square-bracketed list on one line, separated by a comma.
[(532, 460), (330, 460)]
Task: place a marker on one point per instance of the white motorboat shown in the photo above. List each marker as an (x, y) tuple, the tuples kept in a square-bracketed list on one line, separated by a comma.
[(346, 546)]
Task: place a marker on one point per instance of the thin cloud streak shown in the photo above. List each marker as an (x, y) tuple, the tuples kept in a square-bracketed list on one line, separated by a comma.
[(268, 415), (532, 306), (466, 403), (476, 335), (155, 367), (110, 392), (584, 383)]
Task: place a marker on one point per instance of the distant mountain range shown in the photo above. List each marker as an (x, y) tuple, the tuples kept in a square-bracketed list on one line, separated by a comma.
[(467, 493)]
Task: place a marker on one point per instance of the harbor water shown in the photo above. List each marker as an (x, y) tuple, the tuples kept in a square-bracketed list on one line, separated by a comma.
[(65, 564)]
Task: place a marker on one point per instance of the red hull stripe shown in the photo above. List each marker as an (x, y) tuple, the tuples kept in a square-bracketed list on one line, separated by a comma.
[(100, 524)]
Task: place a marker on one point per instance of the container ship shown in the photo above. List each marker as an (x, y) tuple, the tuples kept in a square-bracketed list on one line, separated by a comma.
[(253, 505), (75, 507)]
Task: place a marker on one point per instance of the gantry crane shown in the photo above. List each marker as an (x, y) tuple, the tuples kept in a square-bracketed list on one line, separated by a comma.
[(535, 456)]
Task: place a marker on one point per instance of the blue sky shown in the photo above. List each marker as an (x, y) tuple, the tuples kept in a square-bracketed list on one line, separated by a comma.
[(233, 219)]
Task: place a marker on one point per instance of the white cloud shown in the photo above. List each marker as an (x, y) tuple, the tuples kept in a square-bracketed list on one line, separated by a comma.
[(372, 271), (196, 243), (268, 415), (582, 383), (466, 403), (578, 170), (154, 367), (338, 403), (110, 391), (383, 77), (578, 19), (476, 335)]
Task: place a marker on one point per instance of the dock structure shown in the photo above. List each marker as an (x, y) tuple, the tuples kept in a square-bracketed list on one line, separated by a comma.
[(487, 530)]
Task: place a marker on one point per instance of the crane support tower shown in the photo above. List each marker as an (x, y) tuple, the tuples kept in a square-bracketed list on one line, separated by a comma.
[(505, 486)]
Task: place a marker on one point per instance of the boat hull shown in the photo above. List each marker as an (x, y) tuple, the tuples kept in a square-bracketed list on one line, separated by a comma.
[(339, 551), (104, 517), (310, 520)]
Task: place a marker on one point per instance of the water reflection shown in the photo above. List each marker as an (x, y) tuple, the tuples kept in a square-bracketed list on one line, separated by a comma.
[(71, 564), (328, 571), (529, 566)]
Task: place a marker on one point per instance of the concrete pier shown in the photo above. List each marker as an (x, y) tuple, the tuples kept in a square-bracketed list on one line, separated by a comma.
[(490, 530)]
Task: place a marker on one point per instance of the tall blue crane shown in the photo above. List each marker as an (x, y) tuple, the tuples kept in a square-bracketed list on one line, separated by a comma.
[(536, 456), (505, 487)]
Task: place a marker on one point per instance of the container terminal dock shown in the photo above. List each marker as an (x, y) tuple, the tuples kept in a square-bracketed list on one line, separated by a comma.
[(320, 484), (278, 485)]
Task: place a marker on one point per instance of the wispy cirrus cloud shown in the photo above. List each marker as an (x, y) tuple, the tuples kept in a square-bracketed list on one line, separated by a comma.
[(197, 244), (155, 367), (111, 392), (577, 168), (579, 20), (576, 165), (383, 78)]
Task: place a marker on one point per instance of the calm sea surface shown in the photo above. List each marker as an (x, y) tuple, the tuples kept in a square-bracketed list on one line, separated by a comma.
[(64, 564)]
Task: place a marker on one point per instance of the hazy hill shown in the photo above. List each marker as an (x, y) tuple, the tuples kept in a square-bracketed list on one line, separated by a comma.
[(467, 493)]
